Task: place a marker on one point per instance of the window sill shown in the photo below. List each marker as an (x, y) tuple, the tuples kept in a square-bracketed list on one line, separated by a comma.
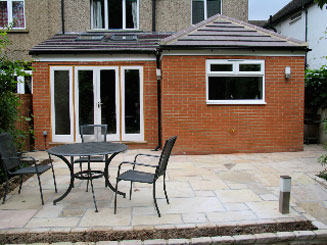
[(238, 102), (18, 31)]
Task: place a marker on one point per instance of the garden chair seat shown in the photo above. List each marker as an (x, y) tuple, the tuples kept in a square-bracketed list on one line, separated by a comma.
[(137, 176), (31, 170)]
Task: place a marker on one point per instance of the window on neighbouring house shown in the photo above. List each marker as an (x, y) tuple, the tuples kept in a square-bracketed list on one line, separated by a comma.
[(203, 9), (115, 14), (235, 82), (12, 12)]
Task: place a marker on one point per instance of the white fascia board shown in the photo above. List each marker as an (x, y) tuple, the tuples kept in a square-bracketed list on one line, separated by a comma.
[(93, 58), (224, 52)]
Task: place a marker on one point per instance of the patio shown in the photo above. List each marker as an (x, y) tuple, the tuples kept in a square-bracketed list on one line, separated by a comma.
[(203, 190)]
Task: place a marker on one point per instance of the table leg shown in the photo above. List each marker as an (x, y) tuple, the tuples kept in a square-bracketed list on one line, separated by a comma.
[(71, 185), (106, 174)]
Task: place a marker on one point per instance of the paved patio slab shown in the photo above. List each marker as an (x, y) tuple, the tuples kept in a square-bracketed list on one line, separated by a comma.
[(203, 190)]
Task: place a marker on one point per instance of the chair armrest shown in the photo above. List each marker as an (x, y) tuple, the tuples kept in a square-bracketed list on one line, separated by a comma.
[(147, 155), (134, 163)]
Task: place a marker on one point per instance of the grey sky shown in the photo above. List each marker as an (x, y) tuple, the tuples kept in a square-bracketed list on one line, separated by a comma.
[(262, 9)]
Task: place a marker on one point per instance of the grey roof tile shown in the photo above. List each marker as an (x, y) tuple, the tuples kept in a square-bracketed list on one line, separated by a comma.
[(221, 31), (81, 43)]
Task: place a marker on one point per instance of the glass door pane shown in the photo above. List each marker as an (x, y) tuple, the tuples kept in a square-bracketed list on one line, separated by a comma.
[(132, 104), (61, 103), (62, 129), (108, 100), (86, 97)]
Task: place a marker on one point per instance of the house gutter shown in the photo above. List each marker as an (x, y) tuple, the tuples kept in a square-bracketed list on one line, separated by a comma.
[(153, 15), (158, 73), (62, 16)]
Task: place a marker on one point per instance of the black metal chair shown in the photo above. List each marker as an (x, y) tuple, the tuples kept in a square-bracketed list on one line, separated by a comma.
[(92, 133), (147, 177), (12, 164)]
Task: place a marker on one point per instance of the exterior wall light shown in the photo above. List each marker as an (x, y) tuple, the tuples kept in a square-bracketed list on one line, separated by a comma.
[(158, 73), (287, 72)]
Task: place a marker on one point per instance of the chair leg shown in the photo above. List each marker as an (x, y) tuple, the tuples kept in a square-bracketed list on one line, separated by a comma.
[(6, 190), (38, 176), (154, 199), (115, 201), (130, 191), (20, 183), (88, 181), (164, 187), (53, 174), (95, 204)]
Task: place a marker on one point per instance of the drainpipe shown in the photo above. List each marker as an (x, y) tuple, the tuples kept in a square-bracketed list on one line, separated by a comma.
[(158, 73), (306, 37), (62, 17), (153, 15)]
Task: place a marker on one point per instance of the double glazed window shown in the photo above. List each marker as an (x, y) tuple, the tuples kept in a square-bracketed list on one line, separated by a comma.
[(235, 82), (115, 14), (203, 9), (12, 12)]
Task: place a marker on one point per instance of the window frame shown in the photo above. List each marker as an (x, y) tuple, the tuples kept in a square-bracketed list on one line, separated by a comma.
[(10, 18), (235, 73), (205, 10), (106, 16)]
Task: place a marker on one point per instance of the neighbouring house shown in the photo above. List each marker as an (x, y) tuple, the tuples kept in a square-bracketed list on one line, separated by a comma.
[(221, 85), (304, 20)]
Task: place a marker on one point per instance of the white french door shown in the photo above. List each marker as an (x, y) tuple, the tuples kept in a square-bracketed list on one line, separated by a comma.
[(98, 95), (97, 99)]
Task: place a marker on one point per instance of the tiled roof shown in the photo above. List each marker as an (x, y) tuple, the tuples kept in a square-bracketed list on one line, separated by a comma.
[(98, 42), (290, 8), (224, 32)]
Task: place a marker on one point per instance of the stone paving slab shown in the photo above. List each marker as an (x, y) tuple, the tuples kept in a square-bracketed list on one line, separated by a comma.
[(203, 190)]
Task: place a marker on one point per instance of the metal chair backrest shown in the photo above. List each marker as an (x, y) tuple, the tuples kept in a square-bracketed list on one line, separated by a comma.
[(164, 157), (8, 152), (94, 132)]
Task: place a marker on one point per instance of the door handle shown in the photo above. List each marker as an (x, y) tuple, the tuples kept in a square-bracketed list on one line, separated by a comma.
[(99, 104)]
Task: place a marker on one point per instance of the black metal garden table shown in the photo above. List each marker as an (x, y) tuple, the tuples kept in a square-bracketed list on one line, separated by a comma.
[(87, 150)]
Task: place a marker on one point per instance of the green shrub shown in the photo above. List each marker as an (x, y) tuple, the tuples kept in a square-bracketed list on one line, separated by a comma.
[(316, 89)]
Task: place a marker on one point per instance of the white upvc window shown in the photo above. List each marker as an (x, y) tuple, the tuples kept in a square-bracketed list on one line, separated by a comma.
[(235, 82), (12, 12), (203, 9), (25, 84), (115, 14)]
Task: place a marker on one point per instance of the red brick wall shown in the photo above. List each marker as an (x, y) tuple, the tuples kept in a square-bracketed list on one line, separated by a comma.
[(25, 110), (42, 102), (201, 128)]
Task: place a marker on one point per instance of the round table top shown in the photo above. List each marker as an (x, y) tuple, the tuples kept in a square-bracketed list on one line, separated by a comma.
[(87, 149)]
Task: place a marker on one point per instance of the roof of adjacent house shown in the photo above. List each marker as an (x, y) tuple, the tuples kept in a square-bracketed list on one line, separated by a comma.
[(96, 42), (289, 9), (225, 32), (217, 32)]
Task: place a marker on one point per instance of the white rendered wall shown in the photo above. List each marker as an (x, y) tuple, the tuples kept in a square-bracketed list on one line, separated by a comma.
[(295, 29), (317, 36)]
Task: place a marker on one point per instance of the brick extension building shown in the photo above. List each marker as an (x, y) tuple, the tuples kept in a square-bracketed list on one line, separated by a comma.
[(222, 85)]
